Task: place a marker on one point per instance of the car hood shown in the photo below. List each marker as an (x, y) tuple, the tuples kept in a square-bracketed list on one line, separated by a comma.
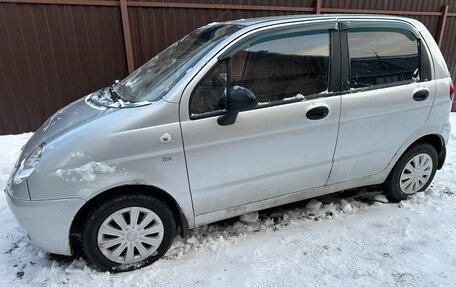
[(67, 118)]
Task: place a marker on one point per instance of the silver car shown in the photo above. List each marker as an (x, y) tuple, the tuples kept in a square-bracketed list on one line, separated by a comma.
[(233, 118)]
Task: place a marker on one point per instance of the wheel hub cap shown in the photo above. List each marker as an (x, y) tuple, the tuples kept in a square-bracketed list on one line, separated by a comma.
[(130, 235), (416, 173)]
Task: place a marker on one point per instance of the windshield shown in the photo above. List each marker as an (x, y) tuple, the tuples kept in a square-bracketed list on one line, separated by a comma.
[(156, 77)]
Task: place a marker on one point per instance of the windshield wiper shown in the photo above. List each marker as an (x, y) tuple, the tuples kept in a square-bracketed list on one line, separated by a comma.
[(114, 95), (102, 91)]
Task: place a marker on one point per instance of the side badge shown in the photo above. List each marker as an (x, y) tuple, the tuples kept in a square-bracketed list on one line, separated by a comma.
[(165, 138)]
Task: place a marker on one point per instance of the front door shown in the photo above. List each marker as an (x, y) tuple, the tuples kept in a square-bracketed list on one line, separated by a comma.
[(282, 146)]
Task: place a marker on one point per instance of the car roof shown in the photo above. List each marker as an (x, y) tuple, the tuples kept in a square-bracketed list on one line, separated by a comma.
[(284, 19)]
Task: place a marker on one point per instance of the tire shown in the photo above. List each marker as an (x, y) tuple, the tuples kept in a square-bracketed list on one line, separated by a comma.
[(404, 180), (104, 227)]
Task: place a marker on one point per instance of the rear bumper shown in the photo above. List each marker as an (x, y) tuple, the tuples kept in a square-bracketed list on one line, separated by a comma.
[(47, 222)]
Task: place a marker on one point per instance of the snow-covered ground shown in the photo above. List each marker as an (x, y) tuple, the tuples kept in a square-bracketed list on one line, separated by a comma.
[(347, 239)]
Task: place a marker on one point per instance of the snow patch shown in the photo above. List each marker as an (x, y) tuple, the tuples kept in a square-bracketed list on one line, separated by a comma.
[(297, 97), (313, 204), (264, 103), (249, 217), (381, 198), (86, 172), (77, 154), (346, 207)]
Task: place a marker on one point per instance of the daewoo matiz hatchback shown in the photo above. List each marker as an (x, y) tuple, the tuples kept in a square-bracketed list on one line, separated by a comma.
[(235, 117)]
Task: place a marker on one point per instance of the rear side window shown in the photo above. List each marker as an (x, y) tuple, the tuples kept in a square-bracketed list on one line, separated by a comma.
[(383, 57)]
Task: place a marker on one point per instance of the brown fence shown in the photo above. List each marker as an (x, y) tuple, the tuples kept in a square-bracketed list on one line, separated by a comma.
[(55, 51)]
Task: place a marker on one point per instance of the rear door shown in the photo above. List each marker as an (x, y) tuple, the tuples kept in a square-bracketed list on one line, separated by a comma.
[(286, 143), (387, 95)]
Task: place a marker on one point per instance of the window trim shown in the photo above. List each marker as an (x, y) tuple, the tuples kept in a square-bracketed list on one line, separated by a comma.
[(301, 28), (345, 27), (333, 73), (425, 63), (378, 24), (213, 113)]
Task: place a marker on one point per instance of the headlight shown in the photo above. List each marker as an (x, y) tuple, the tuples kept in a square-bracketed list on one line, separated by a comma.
[(28, 164)]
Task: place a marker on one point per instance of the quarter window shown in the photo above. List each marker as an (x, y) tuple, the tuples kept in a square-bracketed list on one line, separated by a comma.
[(209, 96), (383, 57), (274, 68)]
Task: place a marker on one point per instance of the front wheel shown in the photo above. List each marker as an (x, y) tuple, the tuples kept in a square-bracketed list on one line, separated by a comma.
[(412, 173), (128, 232)]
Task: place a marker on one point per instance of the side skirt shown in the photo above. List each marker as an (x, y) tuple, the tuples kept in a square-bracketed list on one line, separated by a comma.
[(211, 217)]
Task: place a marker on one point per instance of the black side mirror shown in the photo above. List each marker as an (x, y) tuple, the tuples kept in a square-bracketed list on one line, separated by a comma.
[(239, 99)]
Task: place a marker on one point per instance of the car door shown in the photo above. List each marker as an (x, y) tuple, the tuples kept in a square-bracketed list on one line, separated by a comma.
[(388, 95), (283, 145)]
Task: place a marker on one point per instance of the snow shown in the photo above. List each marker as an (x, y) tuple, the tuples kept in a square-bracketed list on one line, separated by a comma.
[(264, 103), (354, 238), (87, 172), (297, 97), (381, 198), (78, 154), (249, 217)]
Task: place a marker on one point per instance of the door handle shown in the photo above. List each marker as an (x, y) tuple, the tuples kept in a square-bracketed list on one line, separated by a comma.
[(421, 95), (317, 113)]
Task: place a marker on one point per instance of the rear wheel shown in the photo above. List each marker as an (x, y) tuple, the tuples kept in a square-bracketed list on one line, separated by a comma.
[(412, 173), (128, 232)]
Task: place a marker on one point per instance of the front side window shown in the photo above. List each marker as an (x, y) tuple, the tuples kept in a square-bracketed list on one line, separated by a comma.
[(382, 57), (275, 68)]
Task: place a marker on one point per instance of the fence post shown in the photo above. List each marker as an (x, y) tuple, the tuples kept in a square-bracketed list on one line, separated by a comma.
[(127, 35), (317, 6), (442, 24)]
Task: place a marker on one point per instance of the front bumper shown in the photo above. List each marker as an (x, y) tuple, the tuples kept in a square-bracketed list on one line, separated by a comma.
[(47, 222)]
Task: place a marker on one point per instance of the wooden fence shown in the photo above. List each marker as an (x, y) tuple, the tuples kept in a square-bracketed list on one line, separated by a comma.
[(55, 51)]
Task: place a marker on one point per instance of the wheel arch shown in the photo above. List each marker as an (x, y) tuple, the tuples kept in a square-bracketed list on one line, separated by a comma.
[(437, 142), (76, 225), (432, 138)]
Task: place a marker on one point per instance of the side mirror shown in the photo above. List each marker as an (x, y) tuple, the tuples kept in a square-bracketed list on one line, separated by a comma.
[(239, 99)]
